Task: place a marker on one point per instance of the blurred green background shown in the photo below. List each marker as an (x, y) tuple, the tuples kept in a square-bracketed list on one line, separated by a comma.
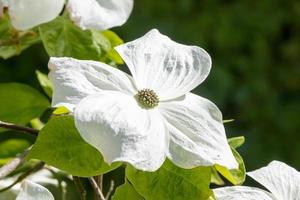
[(255, 79)]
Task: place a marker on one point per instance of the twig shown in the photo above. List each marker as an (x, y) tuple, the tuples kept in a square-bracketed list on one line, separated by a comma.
[(11, 126), (36, 168), (80, 187), (111, 189), (99, 181), (12, 165), (98, 192)]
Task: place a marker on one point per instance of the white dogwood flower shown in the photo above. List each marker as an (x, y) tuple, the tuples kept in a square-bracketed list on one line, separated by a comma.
[(282, 181), (88, 14), (144, 118)]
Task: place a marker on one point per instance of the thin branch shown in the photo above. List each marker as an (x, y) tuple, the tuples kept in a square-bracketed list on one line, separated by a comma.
[(98, 192), (11, 126), (80, 187), (111, 189), (99, 181), (12, 165), (36, 168)]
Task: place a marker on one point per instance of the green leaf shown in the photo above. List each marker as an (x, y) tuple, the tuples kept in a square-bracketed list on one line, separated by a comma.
[(236, 142), (215, 177), (13, 143), (60, 145), (114, 40), (45, 83), (20, 103), (61, 37), (171, 182), (235, 176), (13, 42), (126, 191)]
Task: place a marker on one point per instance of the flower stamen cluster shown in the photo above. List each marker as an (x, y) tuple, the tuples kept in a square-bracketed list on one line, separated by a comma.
[(147, 98)]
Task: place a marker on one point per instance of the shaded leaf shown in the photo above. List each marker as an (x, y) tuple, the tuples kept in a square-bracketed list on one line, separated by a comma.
[(20, 103), (13, 42)]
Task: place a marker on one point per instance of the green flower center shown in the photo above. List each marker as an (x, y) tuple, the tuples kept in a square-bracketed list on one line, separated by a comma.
[(147, 98)]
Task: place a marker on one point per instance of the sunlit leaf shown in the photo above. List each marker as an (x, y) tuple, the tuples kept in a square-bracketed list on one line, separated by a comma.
[(236, 142), (126, 191), (171, 182), (45, 83), (215, 177), (60, 145), (235, 176)]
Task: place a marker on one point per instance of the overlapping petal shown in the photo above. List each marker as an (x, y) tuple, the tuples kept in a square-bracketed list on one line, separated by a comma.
[(32, 191), (280, 179), (74, 80), (26, 14), (99, 14), (169, 68), (121, 130), (242, 193), (197, 135)]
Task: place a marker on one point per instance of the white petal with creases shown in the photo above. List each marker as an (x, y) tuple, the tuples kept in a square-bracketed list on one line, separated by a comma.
[(99, 14), (242, 193), (197, 135), (280, 179), (170, 69), (121, 130), (76, 79)]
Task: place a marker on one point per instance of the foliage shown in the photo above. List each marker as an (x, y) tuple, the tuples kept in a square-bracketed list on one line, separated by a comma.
[(255, 81)]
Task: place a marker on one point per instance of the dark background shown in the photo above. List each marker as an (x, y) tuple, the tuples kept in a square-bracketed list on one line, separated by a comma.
[(255, 79)]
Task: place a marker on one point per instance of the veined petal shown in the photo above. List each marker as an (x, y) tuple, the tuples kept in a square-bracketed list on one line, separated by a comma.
[(33, 191), (197, 135), (26, 14), (99, 14), (76, 79), (121, 130), (170, 69), (242, 193), (280, 179)]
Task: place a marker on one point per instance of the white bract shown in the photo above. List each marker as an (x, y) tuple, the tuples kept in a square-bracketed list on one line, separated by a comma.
[(88, 14), (30, 189), (144, 118), (281, 180)]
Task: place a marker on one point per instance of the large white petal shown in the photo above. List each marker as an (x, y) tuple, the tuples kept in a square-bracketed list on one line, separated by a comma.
[(33, 191), (242, 193), (170, 69), (99, 14), (121, 130), (76, 79), (197, 135), (26, 14), (280, 179)]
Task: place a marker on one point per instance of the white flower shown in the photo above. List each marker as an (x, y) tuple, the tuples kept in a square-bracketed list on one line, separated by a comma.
[(150, 116), (30, 189), (91, 14), (281, 180)]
